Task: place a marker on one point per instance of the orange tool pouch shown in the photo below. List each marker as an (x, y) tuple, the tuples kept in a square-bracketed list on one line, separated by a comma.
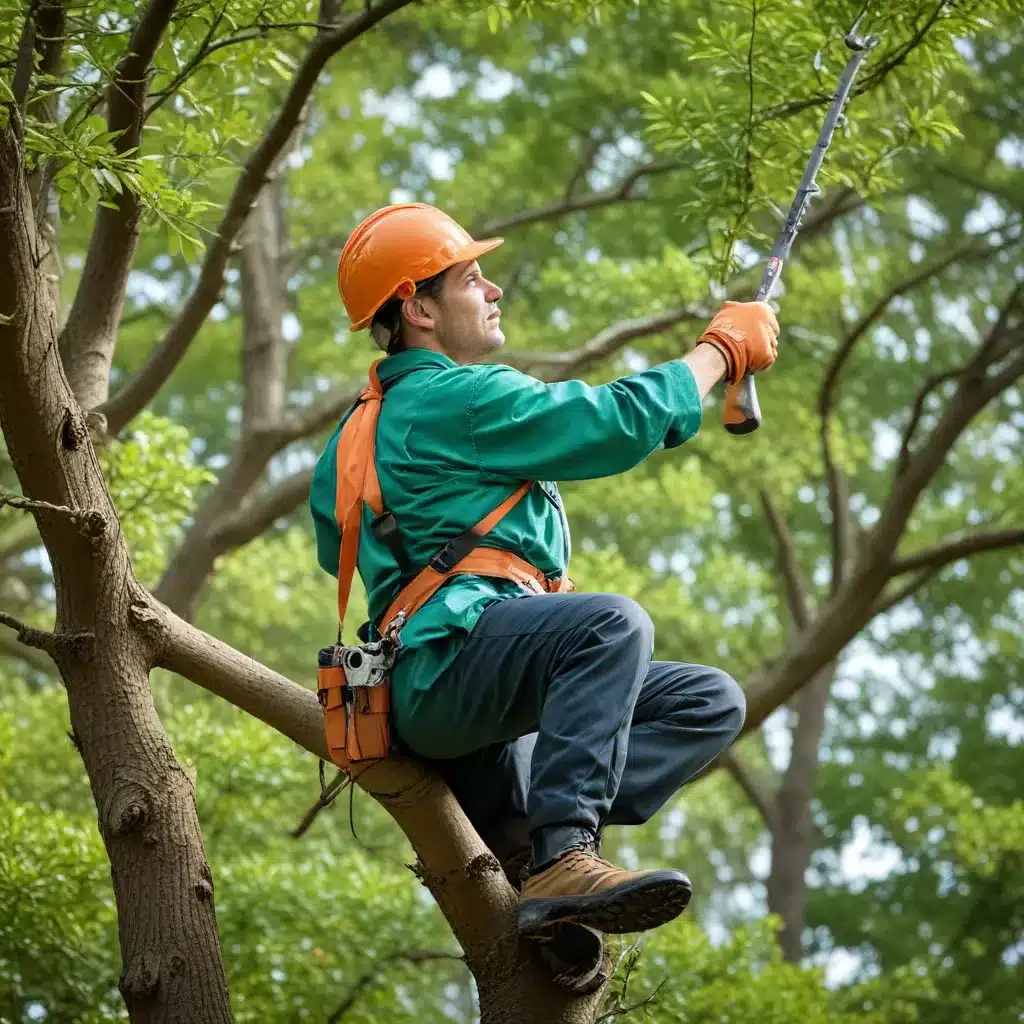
[(353, 682), (357, 719)]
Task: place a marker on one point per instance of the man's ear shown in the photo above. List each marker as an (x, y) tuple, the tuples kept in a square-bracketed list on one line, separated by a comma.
[(418, 313)]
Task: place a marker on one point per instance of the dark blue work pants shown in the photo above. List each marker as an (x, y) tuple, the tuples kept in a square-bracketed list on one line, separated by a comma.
[(555, 710)]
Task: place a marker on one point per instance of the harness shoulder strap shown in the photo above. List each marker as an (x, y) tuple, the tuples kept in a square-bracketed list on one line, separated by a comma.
[(357, 482)]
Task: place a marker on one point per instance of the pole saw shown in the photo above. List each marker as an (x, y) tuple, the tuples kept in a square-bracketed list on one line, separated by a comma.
[(742, 414)]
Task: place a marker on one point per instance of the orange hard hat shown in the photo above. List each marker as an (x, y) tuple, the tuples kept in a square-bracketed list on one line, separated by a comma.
[(393, 249)]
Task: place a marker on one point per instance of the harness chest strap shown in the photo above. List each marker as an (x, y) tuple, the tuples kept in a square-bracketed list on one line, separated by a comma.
[(358, 482)]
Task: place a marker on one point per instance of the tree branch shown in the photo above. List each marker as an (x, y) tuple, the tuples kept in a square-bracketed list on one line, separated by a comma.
[(830, 381), (260, 512), (411, 956), (843, 526), (590, 146), (121, 408), (556, 366), (89, 521), (338, 784), (42, 639), (23, 66), (263, 305), (620, 193), (856, 600), (302, 423), (208, 47), (876, 77), (757, 789), (464, 877), (952, 549), (888, 599), (90, 333), (797, 591)]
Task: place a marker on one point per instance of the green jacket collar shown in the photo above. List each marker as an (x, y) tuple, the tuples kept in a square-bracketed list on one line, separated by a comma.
[(391, 368)]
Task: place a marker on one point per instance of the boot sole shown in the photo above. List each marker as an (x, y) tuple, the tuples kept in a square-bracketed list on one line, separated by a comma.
[(634, 906)]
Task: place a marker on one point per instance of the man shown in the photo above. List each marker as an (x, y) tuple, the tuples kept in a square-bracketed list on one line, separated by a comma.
[(543, 710)]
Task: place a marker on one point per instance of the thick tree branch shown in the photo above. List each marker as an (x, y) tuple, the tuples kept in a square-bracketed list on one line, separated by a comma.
[(371, 977), (165, 356), (303, 423), (89, 336), (999, 341), (844, 530), (797, 590), (464, 877), (795, 836)]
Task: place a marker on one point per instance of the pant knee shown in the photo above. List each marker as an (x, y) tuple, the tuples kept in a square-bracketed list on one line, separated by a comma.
[(732, 701), (626, 620)]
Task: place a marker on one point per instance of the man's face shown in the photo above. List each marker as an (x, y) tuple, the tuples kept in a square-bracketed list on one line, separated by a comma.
[(467, 322)]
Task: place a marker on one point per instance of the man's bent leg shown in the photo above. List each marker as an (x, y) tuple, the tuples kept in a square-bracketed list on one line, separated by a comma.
[(685, 716), (569, 666)]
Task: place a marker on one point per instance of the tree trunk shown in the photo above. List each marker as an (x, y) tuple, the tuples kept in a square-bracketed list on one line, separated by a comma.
[(793, 832), (146, 809)]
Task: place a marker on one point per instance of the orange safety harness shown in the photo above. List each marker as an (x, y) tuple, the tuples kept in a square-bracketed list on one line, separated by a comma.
[(357, 705)]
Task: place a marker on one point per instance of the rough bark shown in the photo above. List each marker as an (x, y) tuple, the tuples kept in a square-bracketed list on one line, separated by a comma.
[(145, 801)]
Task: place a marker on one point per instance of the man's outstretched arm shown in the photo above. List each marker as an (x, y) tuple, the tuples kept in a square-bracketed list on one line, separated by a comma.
[(523, 428)]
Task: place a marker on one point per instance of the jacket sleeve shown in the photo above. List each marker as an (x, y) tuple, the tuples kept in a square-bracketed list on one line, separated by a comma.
[(523, 428), (322, 496)]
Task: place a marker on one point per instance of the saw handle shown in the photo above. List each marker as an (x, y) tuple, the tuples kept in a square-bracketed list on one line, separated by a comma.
[(742, 412)]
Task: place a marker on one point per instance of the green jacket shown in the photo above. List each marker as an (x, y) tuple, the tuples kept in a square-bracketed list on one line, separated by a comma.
[(453, 441)]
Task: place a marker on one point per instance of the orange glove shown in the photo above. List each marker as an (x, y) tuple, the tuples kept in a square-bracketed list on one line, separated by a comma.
[(746, 333)]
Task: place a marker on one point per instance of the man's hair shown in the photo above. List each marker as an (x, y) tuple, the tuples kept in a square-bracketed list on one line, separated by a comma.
[(386, 326)]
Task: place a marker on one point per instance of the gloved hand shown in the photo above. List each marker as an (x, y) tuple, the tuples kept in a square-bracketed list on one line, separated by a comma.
[(746, 333)]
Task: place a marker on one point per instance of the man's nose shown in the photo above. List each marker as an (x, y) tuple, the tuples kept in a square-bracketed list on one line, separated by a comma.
[(493, 292)]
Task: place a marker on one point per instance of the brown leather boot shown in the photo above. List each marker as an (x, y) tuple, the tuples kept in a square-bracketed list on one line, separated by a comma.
[(574, 954), (583, 888)]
